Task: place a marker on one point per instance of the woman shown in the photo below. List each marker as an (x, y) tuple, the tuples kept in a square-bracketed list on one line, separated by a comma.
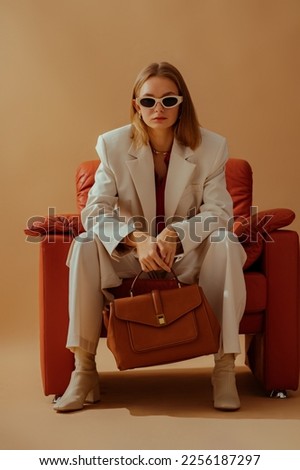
[(159, 201)]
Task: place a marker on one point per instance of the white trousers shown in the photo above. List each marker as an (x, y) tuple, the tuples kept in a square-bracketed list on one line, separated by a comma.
[(217, 265)]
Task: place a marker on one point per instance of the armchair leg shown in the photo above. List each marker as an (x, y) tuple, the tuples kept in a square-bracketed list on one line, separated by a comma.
[(55, 398), (278, 394)]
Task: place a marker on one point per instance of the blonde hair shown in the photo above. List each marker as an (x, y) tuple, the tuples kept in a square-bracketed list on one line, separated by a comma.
[(186, 129)]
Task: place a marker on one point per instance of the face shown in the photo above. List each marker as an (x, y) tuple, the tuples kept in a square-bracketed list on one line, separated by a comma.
[(158, 117)]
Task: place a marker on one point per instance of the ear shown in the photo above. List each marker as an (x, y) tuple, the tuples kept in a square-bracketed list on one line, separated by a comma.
[(136, 106)]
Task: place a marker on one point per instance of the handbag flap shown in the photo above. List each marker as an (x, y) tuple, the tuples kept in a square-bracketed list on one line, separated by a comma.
[(158, 308)]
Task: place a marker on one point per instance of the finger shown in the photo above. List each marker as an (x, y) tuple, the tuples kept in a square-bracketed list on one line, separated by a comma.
[(168, 258), (167, 254), (162, 264), (171, 261), (151, 265), (155, 262), (163, 250), (143, 267)]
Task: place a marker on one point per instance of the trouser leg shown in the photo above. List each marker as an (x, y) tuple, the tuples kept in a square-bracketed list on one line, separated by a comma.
[(222, 279), (86, 284), (85, 296)]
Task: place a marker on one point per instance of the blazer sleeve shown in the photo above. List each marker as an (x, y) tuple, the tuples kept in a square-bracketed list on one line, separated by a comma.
[(100, 217), (216, 208)]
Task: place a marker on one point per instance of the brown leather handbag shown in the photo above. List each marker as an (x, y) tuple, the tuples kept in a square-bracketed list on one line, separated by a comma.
[(161, 326)]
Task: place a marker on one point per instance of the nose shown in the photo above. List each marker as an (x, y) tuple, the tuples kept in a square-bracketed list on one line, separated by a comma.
[(161, 108)]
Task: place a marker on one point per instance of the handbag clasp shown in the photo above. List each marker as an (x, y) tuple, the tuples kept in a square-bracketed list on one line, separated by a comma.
[(161, 319)]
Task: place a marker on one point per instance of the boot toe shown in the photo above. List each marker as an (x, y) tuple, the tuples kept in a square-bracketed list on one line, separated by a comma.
[(225, 394)]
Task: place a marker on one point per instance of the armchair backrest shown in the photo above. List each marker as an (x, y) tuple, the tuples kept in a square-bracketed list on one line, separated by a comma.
[(239, 184), (238, 179), (85, 177)]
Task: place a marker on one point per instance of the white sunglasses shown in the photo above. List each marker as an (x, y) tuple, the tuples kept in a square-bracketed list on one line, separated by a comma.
[(167, 101)]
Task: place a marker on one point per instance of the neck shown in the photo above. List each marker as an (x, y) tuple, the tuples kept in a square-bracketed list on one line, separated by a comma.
[(162, 142)]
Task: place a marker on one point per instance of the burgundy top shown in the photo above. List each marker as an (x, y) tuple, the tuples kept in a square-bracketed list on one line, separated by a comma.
[(160, 198)]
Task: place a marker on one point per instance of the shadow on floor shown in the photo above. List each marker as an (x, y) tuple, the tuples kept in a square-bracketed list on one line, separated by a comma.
[(188, 393)]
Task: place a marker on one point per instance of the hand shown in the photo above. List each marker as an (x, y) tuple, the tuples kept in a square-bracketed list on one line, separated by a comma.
[(167, 242), (148, 252)]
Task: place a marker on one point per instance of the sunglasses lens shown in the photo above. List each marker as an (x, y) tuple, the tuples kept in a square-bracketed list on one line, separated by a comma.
[(167, 101), (170, 101), (147, 102)]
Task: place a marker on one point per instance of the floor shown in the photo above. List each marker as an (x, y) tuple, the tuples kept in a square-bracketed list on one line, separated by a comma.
[(167, 407)]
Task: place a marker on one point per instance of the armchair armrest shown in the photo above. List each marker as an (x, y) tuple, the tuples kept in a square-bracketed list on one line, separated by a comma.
[(253, 231), (57, 362), (280, 264), (54, 224)]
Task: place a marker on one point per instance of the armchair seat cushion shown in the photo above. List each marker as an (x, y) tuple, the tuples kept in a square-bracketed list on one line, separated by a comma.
[(256, 286)]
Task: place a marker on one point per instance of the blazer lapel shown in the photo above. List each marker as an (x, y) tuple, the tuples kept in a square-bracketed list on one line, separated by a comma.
[(179, 172), (141, 169)]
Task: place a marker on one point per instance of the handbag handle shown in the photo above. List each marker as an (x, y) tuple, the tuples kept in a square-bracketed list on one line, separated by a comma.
[(153, 275)]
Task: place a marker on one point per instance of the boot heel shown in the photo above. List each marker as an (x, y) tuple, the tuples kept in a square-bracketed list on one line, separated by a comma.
[(224, 385), (94, 395)]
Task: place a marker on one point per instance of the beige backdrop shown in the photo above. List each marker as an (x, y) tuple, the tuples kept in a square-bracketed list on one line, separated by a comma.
[(67, 69)]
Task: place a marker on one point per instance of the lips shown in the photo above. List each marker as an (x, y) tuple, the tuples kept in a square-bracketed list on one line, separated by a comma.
[(159, 118)]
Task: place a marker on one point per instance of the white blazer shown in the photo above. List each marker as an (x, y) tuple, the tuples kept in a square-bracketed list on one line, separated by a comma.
[(123, 196)]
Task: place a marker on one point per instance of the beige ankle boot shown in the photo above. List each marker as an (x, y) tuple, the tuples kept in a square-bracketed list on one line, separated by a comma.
[(224, 386), (83, 386)]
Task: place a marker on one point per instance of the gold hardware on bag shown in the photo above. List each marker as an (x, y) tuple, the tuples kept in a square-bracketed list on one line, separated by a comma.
[(161, 319)]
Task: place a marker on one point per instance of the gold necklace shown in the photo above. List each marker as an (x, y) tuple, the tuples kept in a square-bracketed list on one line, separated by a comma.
[(159, 152)]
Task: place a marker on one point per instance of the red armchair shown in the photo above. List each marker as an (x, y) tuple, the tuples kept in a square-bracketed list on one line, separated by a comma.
[(271, 318)]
